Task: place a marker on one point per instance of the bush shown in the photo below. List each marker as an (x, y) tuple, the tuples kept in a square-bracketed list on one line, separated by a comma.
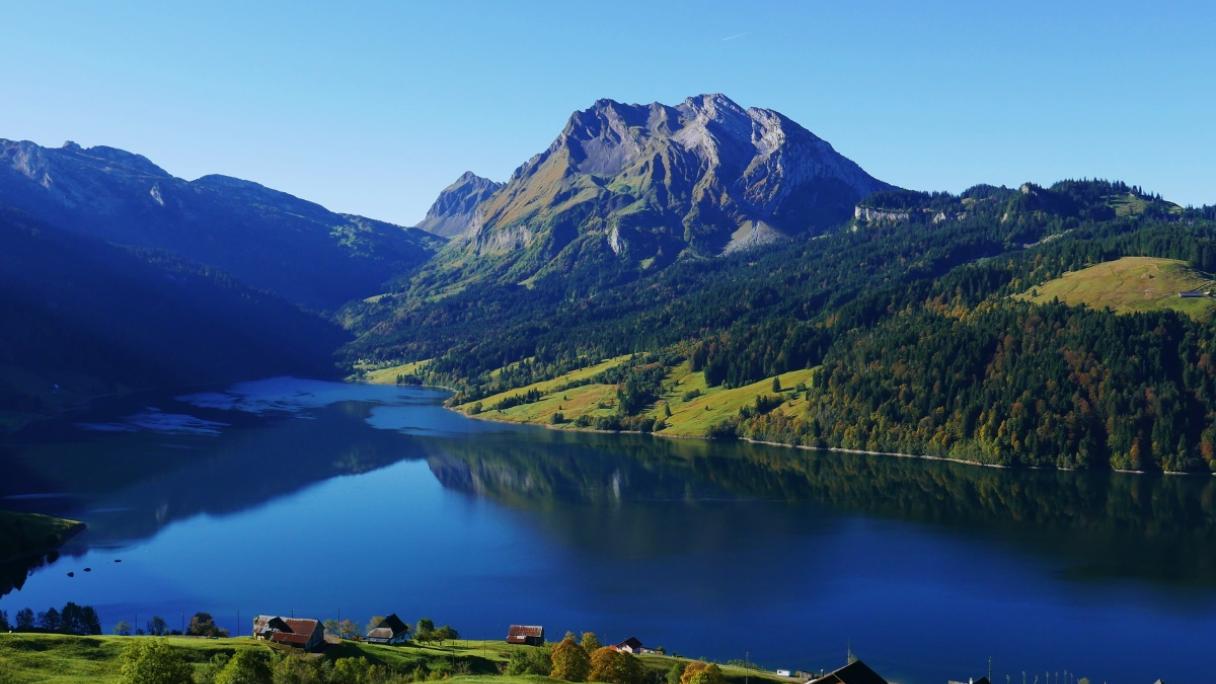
[(152, 661), (570, 661), (244, 667), (530, 661), (202, 624), (610, 665), (702, 673)]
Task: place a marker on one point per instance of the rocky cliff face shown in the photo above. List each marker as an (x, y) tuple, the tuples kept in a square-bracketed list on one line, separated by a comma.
[(267, 239), (653, 182), (456, 208)]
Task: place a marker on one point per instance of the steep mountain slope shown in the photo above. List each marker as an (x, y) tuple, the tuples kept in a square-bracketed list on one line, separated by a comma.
[(646, 184), (456, 207), (268, 239), (81, 318), (904, 334)]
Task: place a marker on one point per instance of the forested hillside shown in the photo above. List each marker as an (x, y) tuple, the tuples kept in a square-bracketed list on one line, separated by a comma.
[(911, 318), (82, 318)]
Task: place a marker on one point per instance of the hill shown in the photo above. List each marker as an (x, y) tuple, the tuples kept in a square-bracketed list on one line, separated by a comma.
[(904, 324), (63, 659), (267, 239), (1132, 284), (81, 318)]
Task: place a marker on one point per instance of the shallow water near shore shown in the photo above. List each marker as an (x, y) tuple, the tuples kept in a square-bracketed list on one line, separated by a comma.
[(334, 500)]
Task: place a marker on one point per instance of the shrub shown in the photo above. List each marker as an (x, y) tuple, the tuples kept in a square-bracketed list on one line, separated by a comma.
[(702, 673), (610, 665), (152, 661), (530, 661), (570, 661)]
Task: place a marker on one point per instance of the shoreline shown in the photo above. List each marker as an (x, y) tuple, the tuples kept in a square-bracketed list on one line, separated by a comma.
[(840, 450)]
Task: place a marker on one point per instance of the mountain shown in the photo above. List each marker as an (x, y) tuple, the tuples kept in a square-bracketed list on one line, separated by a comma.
[(921, 329), (81, 318), (268, 239), (647, 184), (456, 207)]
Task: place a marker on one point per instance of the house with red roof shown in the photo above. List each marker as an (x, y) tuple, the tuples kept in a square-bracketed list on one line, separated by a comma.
[(306, 634)]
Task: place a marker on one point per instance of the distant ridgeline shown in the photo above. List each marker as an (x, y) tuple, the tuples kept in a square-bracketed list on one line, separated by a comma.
[(115, 276)]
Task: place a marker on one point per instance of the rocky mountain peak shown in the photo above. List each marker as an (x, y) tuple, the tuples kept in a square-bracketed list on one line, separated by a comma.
[(651, 182), (455, 208)]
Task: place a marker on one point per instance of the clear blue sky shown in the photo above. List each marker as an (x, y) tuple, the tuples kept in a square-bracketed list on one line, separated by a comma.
[(374, 108)]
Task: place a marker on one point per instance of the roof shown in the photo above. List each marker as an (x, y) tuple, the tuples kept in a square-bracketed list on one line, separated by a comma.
[(394, 623), (631, 642), (385, 633), (522, 631), (286, 630), (855, 672)]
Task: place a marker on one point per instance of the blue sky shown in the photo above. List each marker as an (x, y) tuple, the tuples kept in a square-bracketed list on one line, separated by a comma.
[(373, 108)]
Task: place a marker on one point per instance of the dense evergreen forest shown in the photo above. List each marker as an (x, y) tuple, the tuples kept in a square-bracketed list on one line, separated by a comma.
[(909, 318)]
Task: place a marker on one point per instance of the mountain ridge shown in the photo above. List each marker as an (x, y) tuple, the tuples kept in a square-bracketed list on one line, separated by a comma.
[(267, 238)]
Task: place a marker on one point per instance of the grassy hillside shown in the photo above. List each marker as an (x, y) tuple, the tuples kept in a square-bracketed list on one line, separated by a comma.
[(387, 375), (695, 407), (62, 659), (1131, 284)]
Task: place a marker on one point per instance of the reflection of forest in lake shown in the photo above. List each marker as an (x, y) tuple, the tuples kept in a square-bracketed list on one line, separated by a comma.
[(1158, 528), (1105, 524), (483, 524)]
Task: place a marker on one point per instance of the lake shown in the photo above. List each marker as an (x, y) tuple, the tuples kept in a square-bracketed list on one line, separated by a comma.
[(325, 499)]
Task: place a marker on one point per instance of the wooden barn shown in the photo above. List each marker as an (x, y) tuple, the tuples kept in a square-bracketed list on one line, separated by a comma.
[(528, 635)]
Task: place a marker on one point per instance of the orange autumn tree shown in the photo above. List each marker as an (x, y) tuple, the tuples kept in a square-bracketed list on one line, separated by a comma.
[(702, 673), (570, 661), (612, 666)]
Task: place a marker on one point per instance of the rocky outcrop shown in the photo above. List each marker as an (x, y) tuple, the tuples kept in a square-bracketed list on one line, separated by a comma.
[(705, 176), (456, 207)]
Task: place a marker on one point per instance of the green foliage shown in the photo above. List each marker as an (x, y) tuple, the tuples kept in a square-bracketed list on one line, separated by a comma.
[(530, 661), (247, 667), (157, 626), (295, 669), (590, 642), (152, 661), (570, 661), (675, 673), (202, 624)]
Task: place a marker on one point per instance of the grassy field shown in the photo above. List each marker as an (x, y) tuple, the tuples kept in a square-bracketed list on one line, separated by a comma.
[(1131, 284), (61, 659), (713, 405), (387, 375), (692, 417), (28, 534)]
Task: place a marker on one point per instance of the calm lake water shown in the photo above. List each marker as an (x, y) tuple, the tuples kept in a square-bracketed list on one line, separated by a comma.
[(325, 499)]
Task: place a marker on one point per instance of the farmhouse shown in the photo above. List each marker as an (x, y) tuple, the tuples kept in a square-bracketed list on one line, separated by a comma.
[(390, 630), (632, 645), (303, 633), (855, 672), (529, 635)]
